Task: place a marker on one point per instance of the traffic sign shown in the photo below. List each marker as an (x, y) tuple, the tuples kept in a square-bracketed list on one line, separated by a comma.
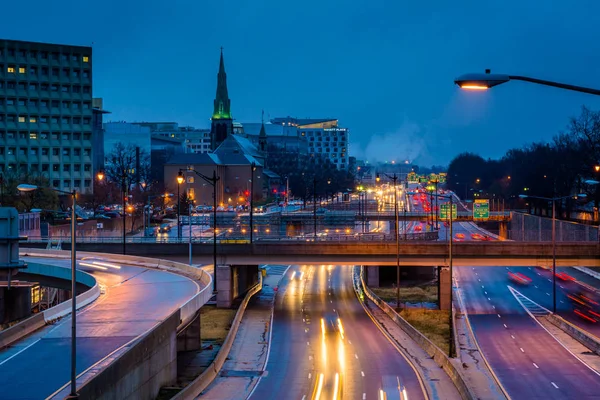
[(444, 211), (423, 179), (412, 177), (442, 177), (481, 209)]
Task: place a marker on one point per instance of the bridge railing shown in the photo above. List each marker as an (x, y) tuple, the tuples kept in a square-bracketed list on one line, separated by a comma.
[(244, 239)]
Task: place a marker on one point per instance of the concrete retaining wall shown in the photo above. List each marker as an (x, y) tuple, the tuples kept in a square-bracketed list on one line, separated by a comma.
[(140, 372), (576, 333), (191, 391), (435, 352)]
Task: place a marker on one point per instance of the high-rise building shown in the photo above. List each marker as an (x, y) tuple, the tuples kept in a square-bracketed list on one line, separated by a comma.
[(326, 140), (221, 121), (46, 113)]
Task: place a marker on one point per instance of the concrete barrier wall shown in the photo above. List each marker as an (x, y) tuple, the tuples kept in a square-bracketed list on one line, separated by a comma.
[(140, 372), (583, 337), (435, 352), (191, 391), (35, 322)]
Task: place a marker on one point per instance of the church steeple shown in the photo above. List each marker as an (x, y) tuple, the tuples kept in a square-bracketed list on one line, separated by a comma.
[(262, 136), (222, 106), (222, 122)]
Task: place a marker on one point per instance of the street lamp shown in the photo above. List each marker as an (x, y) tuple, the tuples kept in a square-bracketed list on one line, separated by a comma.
[(73, 194), (212, 181), (485, 81), (252, 169), (394, 178), (180, 180), (553, 200), (315, 208)]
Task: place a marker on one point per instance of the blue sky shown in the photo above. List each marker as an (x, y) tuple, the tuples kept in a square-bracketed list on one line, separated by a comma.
[(385, 69)]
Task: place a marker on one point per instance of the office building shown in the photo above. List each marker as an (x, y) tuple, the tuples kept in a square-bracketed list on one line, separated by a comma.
[(46, 113), (326, 140)]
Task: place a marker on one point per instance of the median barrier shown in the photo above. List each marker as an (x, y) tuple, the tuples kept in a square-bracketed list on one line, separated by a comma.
[(430, 348), (37, 321), (587, 339), (196, 387)]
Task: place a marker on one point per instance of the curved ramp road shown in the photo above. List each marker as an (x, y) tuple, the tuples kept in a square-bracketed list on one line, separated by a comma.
[(312, 357), (134, 300)]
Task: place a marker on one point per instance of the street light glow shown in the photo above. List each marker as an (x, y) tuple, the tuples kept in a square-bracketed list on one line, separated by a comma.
[(474, 87)]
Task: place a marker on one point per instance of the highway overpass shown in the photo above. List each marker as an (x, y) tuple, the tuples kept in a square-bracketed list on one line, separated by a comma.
[(419, 253)]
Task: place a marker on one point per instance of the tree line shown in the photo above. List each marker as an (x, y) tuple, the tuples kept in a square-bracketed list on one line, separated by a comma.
[(557, 168)]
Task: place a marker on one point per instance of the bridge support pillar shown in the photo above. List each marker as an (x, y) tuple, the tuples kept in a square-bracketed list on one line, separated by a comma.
[(225, 279), (189, 339), (444, 288), (373, 276), (503, 233), (15, 303)]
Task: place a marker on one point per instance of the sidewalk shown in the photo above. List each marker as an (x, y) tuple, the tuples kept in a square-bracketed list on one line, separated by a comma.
[(246, 361)]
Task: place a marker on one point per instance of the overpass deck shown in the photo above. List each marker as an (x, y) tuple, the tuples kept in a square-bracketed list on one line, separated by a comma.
[(414, 253)]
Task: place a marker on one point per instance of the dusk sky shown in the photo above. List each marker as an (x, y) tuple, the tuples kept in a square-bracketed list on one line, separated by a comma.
[(385, 69)]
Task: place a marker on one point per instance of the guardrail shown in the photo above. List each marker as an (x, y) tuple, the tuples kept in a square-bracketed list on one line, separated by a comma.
[(585, 338), (244, 239), (430, 348), (192, 390), (37, 321)]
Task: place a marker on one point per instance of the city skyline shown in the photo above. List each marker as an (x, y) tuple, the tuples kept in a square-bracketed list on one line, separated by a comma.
[(355, 70)]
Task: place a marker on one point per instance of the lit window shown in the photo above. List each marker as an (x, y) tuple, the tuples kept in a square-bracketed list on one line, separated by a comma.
[(32, 120), (33, 136), (86, 59), (21, 119), (10, 70), (190, 179), (21, 70)]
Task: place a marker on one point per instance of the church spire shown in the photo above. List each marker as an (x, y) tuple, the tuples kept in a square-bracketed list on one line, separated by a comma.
[(222, 106), (262, 136)]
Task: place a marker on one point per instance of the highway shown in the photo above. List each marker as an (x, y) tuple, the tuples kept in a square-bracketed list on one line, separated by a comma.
[(527, 360), (310, 359), (134, 300)]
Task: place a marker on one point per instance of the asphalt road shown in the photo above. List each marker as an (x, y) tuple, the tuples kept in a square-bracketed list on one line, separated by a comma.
[(309, 362), (135, 299)]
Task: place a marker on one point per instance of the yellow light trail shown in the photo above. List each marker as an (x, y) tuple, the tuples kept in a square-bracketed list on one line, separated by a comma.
[(336, 386)]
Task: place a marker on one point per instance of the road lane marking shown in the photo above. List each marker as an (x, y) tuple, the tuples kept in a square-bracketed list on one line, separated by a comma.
[(362, 373), (494, 307), (512, 336), (522, 351), (304, 397), (536, 287), (535, 365), (356, 355), (307, 344), (499, 316), (549, 280), (19, 352), (548, 294), (309, 375), (505, 326), (349, 342), (485, 292), (554, 384), (489, 299), (364, 396), (479, 279), (309, 358), (483, 287)]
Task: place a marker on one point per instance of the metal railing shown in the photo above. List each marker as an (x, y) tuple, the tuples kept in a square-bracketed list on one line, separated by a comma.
[(244, 239)]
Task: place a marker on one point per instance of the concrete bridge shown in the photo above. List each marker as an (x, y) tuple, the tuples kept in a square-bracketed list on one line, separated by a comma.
[(418, 253)]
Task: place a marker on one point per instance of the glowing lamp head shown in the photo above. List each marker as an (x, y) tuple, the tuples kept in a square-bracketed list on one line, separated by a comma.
[(100, 175), (597, 168), (180, 177), (480, 81)]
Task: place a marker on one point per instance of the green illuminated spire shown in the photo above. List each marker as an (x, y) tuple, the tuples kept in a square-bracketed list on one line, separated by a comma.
[(222, 108)]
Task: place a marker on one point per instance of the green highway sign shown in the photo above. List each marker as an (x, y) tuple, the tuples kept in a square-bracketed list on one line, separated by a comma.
[(481, 209), (442, 177), (444, 211), (412, 177), (423, 179)]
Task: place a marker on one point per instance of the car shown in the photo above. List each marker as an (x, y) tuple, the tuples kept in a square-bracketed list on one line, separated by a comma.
[(519, 278), (331, 325), (565, 277), (460, 236), (164, 228), (476, 236), (418, 228)]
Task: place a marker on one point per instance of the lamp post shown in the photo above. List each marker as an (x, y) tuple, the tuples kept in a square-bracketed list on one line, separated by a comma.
[(123, 198), (553, 200), (315, 208), (394, 178), (252, 169), (488, 80), (212, 181), (73, 194), (180, 180)]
